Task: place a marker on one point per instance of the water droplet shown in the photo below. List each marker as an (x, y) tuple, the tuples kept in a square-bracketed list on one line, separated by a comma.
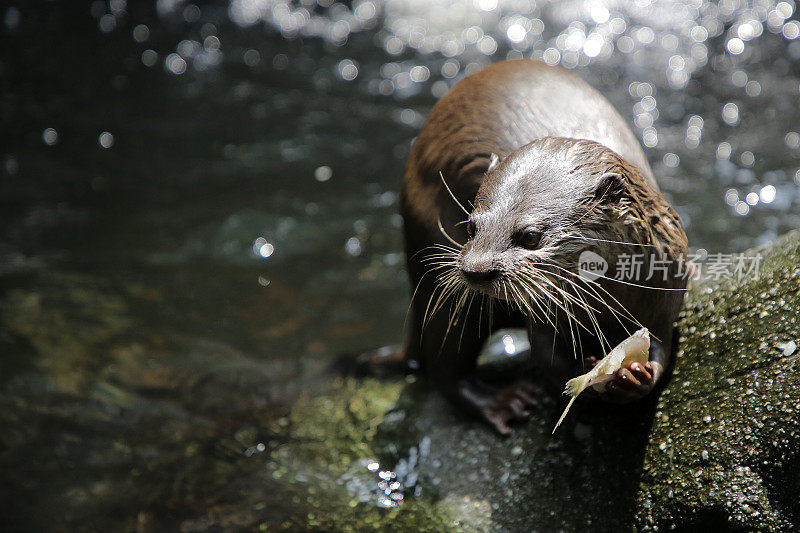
[(419, 74), (107, 23), (149, 57), (353, 246), (599, 13), (516, 33), (141, 33), (50, 136), (767, 194), (671, 160), (348, 70), (741, 208), (792, 140), (266, 250), (486, 45), (753, 88), (735, 46), (323, 173), (251, 57), (791, 30), (739, 78), (730, 114), (106, 140), (175, 64)]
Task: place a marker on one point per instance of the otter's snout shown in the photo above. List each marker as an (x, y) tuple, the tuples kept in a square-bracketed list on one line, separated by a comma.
[(481, 276), (478, 271)]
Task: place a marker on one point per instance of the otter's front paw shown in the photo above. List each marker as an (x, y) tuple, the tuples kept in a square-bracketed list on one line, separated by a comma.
[(631, 382), (498, 407)]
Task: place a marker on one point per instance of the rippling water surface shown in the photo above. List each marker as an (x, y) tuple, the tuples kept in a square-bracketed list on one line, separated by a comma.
[(227, 172)]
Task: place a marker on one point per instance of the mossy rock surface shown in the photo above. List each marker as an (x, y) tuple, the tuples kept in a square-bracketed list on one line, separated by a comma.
[(724, 449)]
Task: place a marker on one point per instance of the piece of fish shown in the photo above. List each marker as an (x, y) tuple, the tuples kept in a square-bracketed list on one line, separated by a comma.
[(635, 348)]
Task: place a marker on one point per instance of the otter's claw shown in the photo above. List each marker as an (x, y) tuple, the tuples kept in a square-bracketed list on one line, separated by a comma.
[(498, 407)]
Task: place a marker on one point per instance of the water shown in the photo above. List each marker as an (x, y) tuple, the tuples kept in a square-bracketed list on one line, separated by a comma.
[(214, 185)]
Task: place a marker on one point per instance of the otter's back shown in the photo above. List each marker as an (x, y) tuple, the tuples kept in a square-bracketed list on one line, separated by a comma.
[(509, 104)]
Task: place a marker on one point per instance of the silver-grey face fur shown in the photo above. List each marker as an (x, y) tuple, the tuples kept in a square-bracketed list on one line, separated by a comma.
[(538, 188)]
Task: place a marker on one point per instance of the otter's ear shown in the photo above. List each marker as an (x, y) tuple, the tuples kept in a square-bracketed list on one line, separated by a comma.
[(494, 159), (610, 187)]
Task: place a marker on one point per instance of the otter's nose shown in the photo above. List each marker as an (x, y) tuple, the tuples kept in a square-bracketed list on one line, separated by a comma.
[(480, 275)]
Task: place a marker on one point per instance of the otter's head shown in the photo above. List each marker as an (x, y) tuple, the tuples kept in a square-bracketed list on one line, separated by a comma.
[(539, 208)]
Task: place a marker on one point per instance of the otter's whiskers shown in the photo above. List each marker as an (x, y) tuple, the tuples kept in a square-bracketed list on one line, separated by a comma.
[(539, 288)]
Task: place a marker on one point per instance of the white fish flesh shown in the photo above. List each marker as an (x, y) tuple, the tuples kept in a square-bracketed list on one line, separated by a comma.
[(635, 348)]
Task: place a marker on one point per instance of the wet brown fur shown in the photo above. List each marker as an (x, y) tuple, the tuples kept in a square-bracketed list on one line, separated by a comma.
[(533, 117)]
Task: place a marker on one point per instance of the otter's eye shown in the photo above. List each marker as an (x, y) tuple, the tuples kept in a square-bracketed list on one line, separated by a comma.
[(529, 239), (471, 229)]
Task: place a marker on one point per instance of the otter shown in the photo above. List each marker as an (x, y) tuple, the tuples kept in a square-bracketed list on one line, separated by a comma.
[(519, 169)]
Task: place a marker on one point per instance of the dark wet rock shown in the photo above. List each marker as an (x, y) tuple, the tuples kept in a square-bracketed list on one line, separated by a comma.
[(718, 449), (110, 423), (724, 450)]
